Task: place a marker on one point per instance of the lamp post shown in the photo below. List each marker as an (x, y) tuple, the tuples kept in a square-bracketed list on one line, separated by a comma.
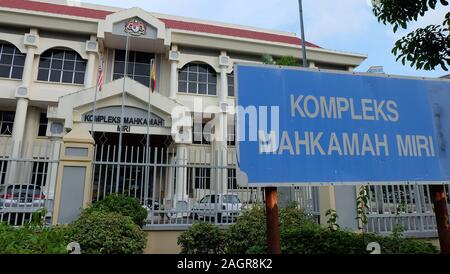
[(302, 30)]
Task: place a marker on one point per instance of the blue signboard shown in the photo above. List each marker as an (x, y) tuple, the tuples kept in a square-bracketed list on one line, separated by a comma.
[(300, 126)]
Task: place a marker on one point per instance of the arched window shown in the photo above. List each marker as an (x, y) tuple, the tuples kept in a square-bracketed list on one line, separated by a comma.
[(11, 61), (197, 79), (138, 66), (61, 66), (231, 84)]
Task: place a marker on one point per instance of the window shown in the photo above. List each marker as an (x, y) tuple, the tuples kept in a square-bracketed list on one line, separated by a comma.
[(39, 174), (231, 199), (206, 199), (6, 122), (43, 121), (3, 167), (232, 182), (200, 178), (231, 134), (11, 62), (139, 66), (202, 134), (231, 84), (61, 66), (197, 79)]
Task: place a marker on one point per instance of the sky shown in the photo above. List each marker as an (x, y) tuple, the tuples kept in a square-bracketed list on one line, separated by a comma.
[(344, 25)]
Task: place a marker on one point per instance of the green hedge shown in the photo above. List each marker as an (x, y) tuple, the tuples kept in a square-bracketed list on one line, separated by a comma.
[(100, 232), (122, 204), (32, 239), (313, 239), (203, 238), (111, 226), (299, 235)]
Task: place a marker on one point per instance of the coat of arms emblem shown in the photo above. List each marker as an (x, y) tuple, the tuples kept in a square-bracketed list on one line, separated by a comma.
[(135, 27)]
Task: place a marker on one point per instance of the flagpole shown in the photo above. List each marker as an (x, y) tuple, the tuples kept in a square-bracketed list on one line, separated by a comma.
[(119, 159), (95, 99), (147, 169)]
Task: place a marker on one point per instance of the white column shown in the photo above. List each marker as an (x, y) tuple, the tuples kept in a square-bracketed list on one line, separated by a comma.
[(221, 144), (92, 50), (181, 177), (53, 167), (220, 157), (223, 78), (22, 96), (169, 185), (22, 102), (174, 57), (90, 70)]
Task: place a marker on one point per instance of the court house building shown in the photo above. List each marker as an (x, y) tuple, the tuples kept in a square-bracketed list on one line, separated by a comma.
[(60, 121)]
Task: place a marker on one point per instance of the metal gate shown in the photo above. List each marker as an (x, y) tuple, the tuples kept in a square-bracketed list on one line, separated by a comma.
[(178, 187), (409, 207), (27, 181)]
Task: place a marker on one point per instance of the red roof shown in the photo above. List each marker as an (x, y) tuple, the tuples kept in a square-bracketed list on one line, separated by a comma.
[(173, 24)]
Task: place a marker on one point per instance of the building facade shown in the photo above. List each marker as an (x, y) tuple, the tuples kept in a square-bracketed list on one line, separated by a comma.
[(51, 54)]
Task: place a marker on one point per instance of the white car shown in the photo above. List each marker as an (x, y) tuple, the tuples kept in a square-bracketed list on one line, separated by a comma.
[(218, 206), (21, 197)]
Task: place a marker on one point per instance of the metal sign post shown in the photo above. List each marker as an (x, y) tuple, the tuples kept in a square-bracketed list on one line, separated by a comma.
[(439, 198), (272, 222), (364, 128), (273, 227)]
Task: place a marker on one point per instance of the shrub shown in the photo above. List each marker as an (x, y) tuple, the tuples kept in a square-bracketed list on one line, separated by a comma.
[(32, 239), (248, 234), (313, 239), (100, 232), (203, 238), (122, 204), (397, 245)]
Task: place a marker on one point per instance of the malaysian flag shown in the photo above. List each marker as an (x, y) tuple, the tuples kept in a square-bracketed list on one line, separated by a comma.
[(101, 74), (153, 76)]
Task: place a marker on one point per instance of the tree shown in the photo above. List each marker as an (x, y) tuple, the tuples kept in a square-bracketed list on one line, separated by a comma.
[(425, 48), (289, 61)]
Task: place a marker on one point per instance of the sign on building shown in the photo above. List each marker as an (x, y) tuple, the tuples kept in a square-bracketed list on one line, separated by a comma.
[(299, 126), (132, 117)]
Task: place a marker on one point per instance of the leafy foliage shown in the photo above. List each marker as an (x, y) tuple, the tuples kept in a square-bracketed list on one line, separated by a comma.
[(122, 204), (362, 205), (101, 232), (248, 234), (332, 216), (32, 239), (313, 239), (203, 238), (425, 48), (299, 235), (289, 61)]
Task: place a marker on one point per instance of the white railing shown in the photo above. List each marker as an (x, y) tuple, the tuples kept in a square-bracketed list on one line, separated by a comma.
[(408, 207), (179, 187), (27, 180)]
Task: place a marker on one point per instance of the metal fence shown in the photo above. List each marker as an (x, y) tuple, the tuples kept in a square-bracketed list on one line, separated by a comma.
[(181, 185), (27, 180), (408, 207)]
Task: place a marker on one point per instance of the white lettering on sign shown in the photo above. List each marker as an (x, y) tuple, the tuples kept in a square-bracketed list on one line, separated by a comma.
[(311, 107), (132, 117), (345, 144)]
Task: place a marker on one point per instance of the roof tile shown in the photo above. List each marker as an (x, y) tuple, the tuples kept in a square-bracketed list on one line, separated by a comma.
[(174, 24)]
